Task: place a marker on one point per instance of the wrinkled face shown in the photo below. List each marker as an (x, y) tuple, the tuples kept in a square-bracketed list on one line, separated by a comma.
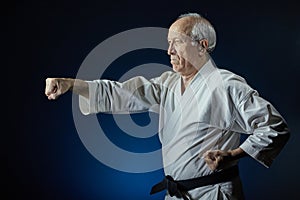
[(181, 51)]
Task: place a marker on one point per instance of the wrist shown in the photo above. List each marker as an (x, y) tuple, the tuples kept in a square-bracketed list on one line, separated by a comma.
[(237, 153), (70, 83)]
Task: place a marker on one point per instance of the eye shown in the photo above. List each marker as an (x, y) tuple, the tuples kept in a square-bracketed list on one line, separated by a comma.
[(175, 41), (178, 41)]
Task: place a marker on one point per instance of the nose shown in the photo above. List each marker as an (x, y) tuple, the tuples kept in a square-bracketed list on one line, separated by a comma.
[(171, 50)]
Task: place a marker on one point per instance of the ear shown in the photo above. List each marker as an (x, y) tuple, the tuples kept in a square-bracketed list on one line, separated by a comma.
[(204, 43)]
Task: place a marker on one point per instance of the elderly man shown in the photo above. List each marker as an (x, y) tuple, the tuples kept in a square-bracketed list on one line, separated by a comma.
[(203, 111)]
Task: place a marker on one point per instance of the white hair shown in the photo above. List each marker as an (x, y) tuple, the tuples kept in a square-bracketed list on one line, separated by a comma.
[(202, 29)]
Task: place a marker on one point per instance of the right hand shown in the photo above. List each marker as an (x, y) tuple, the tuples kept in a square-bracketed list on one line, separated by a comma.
[(216, 159), (56, 87)]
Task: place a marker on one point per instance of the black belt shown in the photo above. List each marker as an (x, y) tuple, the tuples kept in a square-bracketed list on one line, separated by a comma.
[(180, 188)]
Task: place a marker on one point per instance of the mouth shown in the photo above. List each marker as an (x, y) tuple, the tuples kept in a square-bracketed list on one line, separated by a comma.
[(174, 61)]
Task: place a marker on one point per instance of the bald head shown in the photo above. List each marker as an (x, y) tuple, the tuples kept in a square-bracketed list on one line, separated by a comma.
[(183, 25), (195, 26)]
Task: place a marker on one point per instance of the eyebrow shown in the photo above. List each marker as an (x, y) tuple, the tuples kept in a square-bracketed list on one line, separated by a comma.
[(174, 38)]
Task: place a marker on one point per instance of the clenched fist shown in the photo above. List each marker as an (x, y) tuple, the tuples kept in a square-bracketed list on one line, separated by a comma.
[(218, 159), (57, 86)]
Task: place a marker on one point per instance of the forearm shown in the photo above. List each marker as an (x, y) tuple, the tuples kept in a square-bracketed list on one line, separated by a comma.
[(218, 159), (134, 95), (79, 87), (237, 153)]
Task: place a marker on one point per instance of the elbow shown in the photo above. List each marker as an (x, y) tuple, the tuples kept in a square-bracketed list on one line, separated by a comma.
[(282, 129), (285, 135), (286, 132)]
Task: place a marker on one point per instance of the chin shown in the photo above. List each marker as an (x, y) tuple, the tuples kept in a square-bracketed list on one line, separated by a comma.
[(176, 68)]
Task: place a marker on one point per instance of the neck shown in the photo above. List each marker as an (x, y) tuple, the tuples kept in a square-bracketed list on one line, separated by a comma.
[(186, 78)]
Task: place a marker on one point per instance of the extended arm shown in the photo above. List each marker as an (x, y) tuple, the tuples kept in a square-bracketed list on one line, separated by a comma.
[(134, 95)]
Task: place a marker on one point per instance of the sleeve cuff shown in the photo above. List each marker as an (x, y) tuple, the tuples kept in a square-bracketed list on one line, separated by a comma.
[(88, 106), (255, 153)]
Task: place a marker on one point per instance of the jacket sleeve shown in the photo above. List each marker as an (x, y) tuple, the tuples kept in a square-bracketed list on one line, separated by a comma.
[(134, 95), (268, 131)]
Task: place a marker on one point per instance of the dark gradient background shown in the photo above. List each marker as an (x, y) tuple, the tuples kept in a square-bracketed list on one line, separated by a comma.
[(43, 155)]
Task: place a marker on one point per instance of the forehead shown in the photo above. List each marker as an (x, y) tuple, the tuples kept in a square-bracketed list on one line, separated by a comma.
[(181, 28), (177, 35)]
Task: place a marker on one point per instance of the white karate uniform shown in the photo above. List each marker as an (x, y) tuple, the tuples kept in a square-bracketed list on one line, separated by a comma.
[(214, 109)]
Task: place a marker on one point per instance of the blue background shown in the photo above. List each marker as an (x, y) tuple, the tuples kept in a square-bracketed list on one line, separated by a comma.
[(44, 157)]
